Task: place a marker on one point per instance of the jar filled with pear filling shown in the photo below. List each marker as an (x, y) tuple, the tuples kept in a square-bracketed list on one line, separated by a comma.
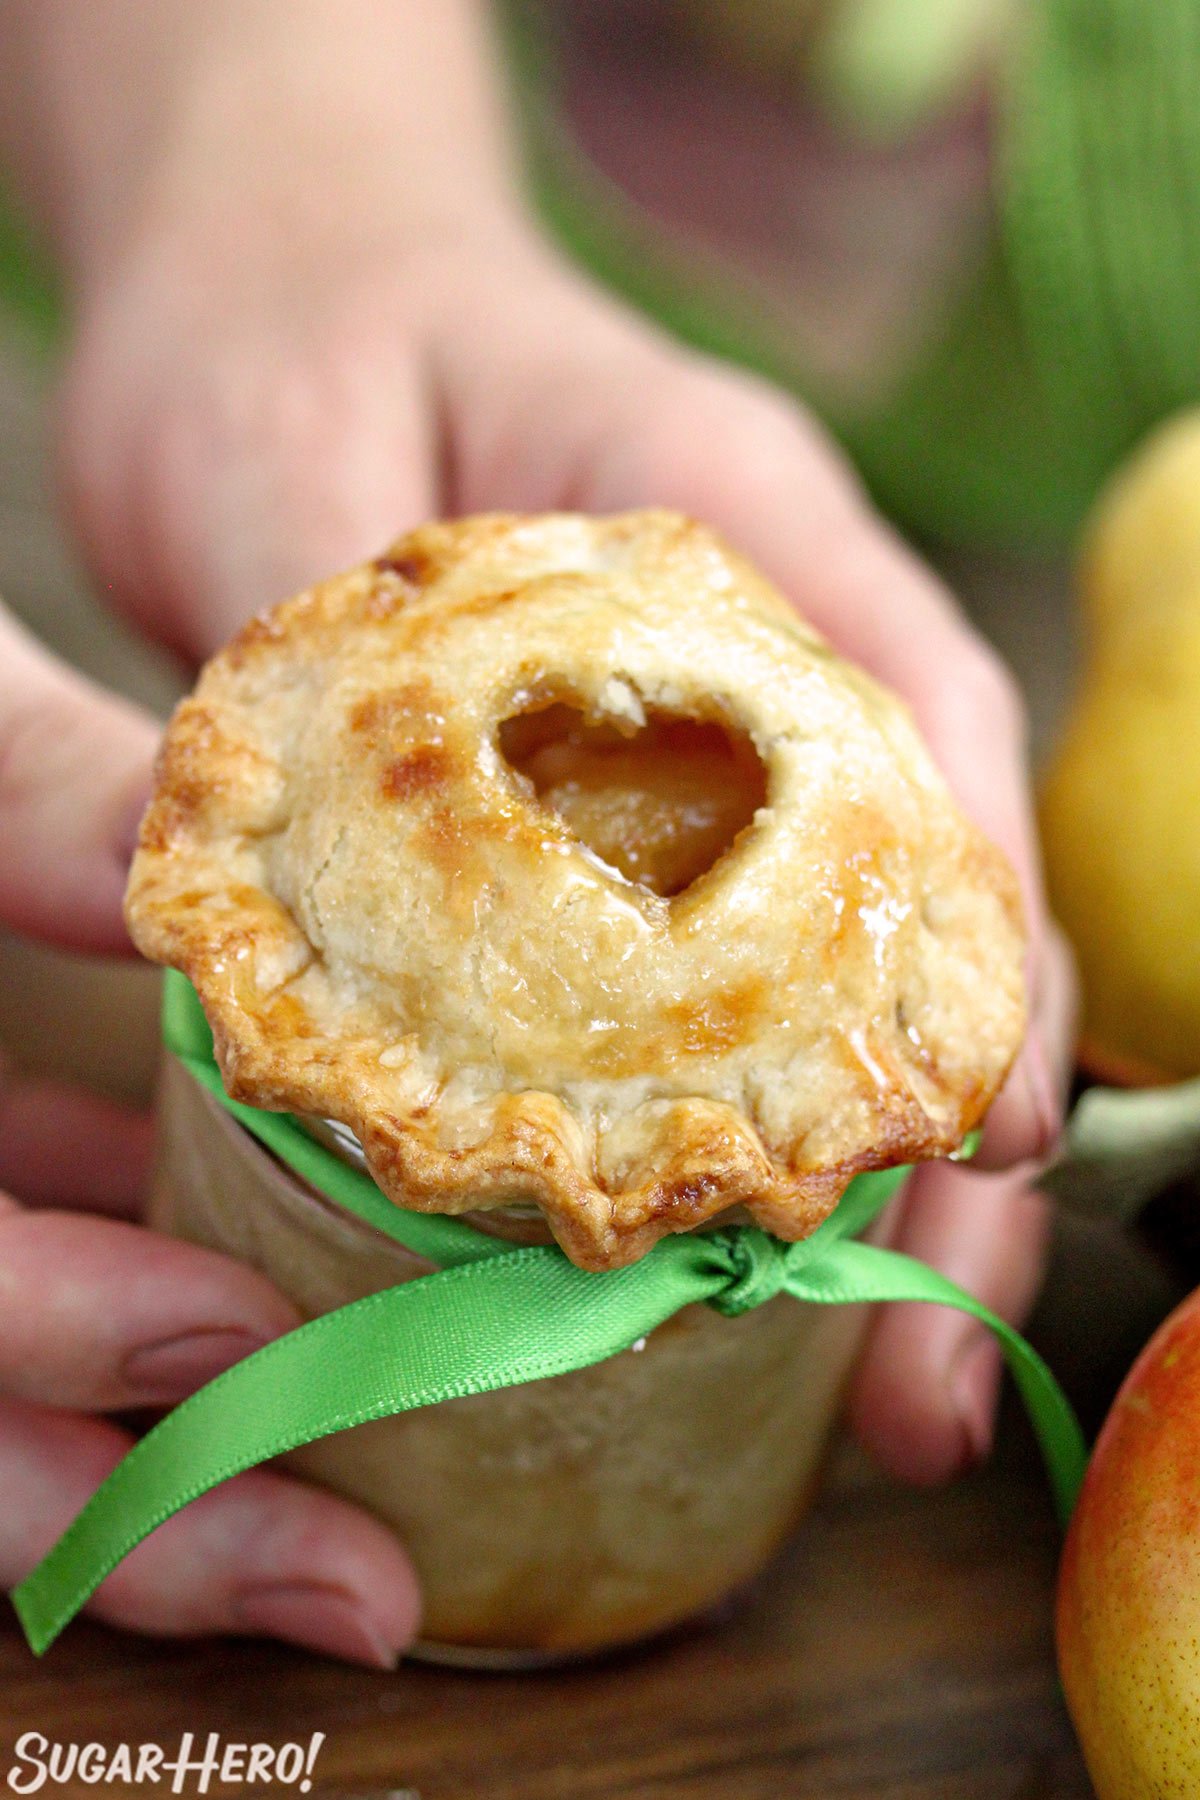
[(560, 1517)]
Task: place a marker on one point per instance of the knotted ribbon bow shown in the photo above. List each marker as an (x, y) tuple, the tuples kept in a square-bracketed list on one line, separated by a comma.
[(489, 1316)]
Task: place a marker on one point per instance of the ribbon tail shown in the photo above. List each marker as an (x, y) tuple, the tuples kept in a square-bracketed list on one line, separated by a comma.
[(483, 1325), (849, 1272)]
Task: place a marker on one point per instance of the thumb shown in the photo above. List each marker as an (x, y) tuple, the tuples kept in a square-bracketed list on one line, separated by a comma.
[(210, 475), (74, 773)]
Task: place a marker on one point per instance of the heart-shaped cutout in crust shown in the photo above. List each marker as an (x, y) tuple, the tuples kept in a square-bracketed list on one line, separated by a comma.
[(661, 803)]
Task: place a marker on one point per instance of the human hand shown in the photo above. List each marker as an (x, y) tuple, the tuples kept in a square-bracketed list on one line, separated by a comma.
[(97, 1315)]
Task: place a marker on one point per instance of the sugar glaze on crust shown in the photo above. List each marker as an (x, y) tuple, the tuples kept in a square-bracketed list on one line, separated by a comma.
[(388, 927)]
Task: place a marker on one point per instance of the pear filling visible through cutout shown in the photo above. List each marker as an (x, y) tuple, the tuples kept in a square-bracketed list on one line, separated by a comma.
[(660, 803)]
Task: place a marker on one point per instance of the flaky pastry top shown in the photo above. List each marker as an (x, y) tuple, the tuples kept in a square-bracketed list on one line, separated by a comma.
[(402, 845)]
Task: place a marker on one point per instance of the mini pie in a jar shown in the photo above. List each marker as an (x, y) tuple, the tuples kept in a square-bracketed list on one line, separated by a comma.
[(560, 862)]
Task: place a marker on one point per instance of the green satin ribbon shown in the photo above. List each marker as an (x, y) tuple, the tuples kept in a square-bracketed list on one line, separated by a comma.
[(488, 1317)]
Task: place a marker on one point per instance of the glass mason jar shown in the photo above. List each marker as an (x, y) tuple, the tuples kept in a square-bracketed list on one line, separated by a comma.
[(564, 1516)]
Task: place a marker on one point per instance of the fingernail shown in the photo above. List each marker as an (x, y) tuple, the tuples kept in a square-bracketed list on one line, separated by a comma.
[(974, 1383), (130, 826), (180, 1365), (318, 1616), (1041, 1093)]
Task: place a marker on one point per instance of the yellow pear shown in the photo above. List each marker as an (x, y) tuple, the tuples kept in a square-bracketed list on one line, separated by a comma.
[(1120, 805)]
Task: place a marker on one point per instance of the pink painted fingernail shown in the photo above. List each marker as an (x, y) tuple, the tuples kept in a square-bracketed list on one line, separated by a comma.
[(319, 1616), (131, 821), (179, 1365), (1042, 1094), (974, 1385)]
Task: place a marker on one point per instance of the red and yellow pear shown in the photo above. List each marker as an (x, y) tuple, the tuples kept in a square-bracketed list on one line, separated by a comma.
[(1129, 1587)]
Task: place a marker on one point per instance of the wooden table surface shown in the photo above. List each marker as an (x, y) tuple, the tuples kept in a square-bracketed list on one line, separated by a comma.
[(899, 1650)]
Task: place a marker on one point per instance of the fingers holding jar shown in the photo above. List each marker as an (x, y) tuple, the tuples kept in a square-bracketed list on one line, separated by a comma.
[(926, 1393), (97, 1314), (74, 773), (924, 1399), (263, 1556), (61, 1145)]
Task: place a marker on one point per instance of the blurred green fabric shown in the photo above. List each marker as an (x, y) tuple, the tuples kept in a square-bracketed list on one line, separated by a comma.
[(1081, 331), (28, 290)]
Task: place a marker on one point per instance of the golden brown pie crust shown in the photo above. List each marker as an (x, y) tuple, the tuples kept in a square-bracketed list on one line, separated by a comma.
[(388, 924)]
